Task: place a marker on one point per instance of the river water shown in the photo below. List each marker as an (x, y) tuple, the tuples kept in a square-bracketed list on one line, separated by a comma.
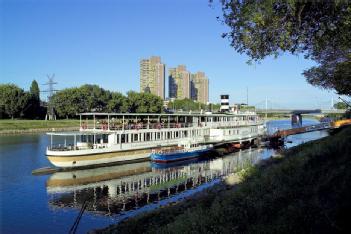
[(51, 203)]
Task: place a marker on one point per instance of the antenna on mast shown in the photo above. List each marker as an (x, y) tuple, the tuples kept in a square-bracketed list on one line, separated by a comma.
[(247, 95)]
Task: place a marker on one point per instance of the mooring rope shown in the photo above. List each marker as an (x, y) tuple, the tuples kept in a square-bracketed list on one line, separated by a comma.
[(76, 222)]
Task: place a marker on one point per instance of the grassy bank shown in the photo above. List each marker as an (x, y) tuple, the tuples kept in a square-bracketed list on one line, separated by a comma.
[(32, 125), (306, 191)]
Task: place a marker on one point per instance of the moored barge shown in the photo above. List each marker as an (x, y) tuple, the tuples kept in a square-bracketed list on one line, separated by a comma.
[(185, 151), (106, 138)]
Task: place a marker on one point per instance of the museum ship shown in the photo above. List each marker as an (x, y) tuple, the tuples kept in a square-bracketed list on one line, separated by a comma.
[(106, 138)]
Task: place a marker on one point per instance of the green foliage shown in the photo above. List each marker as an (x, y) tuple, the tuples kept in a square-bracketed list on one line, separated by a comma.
[(318, 29), (245, 107), (190, 105), (34, 110), (69, 102), (117, 103), (340, 105), (308, 190), (143, 103), (9, 125), (92, 98), (16, 103), (34, 90), (13, 100), (95, 98)]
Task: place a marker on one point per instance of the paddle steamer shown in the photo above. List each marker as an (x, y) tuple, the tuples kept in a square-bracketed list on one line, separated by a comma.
[(106, 138)]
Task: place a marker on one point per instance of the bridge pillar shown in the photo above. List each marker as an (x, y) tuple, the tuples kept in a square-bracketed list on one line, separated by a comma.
[(296, 120)]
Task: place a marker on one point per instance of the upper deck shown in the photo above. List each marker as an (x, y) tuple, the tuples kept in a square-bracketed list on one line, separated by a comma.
[(111, 122)]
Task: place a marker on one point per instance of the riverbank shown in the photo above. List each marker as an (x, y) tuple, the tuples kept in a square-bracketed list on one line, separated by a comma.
[(305, 190), (35, 126)]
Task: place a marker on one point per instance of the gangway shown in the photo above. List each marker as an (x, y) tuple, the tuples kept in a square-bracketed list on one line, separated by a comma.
[(277, 138)]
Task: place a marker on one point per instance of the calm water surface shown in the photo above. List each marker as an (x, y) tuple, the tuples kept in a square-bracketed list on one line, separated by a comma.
[(51, 203)]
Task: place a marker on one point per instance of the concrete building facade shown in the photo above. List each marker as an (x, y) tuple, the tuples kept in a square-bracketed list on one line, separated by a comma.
[(199, 87), (152, 76), (179, 82)]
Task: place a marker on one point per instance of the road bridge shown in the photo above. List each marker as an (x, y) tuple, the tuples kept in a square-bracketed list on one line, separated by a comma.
[(290, 111), (277, 138), (296, 115)]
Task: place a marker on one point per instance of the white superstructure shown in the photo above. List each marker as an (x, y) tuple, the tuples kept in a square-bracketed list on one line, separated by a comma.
[(125, 137)]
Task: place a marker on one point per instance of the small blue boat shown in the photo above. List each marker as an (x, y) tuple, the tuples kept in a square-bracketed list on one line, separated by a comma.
[(183, 152)]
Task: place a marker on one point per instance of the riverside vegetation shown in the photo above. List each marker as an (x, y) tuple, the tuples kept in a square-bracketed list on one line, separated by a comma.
[(307, 190), (17, 103), (7, 125)]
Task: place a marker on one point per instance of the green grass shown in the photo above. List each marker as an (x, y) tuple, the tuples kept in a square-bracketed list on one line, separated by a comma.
[(7, 125), (306, 191)]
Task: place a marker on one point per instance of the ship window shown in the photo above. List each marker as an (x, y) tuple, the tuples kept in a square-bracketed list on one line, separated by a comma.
[(148, 136), (135, 137), (177, 134), (105, 138), (158, 135), (168, 135), (123, 138)]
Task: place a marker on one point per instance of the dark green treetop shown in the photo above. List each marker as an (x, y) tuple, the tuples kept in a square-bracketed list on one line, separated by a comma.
[(34, 90), (320, 30)]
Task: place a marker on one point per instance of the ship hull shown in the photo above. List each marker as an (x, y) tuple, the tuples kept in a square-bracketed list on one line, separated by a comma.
[(174, 157), (73, 161)]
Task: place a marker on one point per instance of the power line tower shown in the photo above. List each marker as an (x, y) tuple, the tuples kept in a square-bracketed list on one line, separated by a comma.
[(50, 114)]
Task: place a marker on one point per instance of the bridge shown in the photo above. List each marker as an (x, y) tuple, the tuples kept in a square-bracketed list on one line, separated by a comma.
[(290, 111), (277, 138), (296, 115)]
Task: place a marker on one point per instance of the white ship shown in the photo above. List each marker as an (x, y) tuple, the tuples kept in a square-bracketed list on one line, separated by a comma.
[(106, 138)]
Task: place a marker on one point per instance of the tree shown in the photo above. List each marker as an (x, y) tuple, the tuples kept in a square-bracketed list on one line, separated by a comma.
[(33, 110), (117, 103), (34, 90), (340, 106), (96, 98), (153, 103), (187, 104), (91, 98), (143, 103), (318, 29), (68, 102), (12, 100)]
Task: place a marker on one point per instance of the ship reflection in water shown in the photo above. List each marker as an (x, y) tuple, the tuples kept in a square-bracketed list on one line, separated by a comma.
[(117, 189)]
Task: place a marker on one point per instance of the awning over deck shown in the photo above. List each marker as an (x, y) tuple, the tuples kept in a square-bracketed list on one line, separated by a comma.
[(76, 133), (167, 114)]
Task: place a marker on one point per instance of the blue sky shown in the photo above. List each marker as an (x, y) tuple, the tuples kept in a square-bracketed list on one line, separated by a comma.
[(101, 42)]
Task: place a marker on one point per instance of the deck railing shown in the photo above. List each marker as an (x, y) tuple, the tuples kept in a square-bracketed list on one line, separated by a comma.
[(141, 126)]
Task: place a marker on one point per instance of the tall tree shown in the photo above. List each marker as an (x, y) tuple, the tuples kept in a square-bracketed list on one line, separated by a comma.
[(33, 110), (117, 103), (12, 100), (143, 103), (34, 90), (321, 30), (340, 105)]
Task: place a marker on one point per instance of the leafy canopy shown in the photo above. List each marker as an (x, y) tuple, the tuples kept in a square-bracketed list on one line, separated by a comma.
[(321, 30), (91, 98), (12, 100)]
